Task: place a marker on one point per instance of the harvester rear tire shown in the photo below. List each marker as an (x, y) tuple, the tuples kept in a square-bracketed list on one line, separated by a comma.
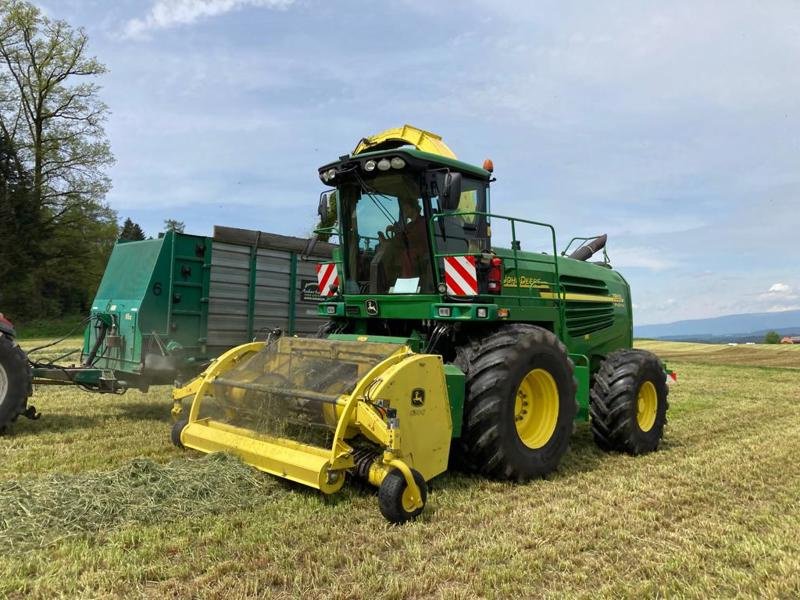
[(175, 434), (497, 368), (16, 377), (628, 402), (390, 496)]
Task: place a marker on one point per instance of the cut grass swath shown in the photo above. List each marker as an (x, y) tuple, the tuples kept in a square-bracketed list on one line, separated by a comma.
[(39, 511)]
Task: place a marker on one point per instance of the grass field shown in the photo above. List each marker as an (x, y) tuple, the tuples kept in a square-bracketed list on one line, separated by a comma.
[(747, 355), (94, 501)]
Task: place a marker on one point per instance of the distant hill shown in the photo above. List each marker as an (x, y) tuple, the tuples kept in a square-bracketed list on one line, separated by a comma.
[(747, 327)]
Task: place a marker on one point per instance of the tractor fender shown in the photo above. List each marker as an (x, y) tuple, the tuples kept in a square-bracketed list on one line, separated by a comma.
[(7, 327)]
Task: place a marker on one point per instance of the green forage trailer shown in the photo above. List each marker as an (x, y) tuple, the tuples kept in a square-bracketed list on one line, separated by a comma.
[(166, 307)]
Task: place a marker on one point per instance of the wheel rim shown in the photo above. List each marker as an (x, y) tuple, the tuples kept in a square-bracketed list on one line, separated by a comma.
[(3, 383), (646, 405), (536, 408)]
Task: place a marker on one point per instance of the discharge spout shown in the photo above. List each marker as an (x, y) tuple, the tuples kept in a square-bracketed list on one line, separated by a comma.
[(586, 251)]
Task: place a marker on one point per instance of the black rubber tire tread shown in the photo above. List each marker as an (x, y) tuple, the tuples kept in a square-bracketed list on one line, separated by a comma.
[(494, 368), (175, 434), (20, 381), (613, 402), (390, 496)]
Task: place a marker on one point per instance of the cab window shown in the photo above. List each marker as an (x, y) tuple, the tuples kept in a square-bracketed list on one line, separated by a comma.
[(460, 230)]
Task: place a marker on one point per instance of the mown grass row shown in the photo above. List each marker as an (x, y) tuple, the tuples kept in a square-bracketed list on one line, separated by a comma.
[(751, 355), (714, 513)]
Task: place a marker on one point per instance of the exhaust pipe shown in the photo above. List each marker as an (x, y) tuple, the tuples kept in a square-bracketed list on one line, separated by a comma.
[(586, 251)]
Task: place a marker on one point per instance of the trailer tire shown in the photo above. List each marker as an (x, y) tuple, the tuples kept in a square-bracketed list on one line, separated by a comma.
[(628, 402), (391, 496), (520, 403), (16, 381)]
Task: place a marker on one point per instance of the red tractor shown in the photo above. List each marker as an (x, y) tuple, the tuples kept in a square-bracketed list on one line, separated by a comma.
[(16, 376)]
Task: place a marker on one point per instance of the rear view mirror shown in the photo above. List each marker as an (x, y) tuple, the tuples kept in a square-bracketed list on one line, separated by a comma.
[(451, 195), (324, 207)]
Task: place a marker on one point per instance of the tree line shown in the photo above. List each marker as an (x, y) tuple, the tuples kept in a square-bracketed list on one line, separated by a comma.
[(56, 229)]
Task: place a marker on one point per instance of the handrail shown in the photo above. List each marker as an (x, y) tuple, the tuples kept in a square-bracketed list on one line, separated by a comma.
[(557, 286), (558, 289), (333, 230)]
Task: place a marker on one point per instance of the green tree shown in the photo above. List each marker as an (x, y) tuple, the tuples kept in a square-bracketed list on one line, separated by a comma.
[(51, 107), (772, 337), (68, 284), (131, 231), (18, 222), (173, 225), (52, 121)]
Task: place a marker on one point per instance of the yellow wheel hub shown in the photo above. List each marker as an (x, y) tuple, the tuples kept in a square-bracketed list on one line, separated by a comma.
[(646, 406), (408, 500), (536, 408)]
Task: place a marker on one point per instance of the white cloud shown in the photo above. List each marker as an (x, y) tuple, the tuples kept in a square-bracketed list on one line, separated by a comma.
[(779, 298), (780, 288), (780, 293), (783, 307), (165, 14)]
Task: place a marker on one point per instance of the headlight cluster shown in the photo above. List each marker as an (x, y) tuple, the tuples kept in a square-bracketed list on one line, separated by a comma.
[(384, 164)]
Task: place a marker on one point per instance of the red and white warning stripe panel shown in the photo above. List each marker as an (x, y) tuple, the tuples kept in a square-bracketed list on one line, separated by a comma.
[(327, 277), (460, 275)]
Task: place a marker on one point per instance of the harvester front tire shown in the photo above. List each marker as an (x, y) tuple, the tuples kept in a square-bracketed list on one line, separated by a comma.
[(175, 434), (390, 496), (517, 364), (16, 379), (628, 402)]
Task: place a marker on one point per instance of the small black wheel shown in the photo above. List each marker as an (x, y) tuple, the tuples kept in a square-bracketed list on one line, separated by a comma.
[(394, 497), (628, 402), (16, 379), (175, 435)]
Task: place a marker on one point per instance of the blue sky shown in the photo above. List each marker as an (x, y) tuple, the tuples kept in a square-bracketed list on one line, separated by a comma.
[(674, 127)]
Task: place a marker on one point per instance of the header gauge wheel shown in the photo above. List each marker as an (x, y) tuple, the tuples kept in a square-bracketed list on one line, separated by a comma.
[(175, 433), (395, 500)]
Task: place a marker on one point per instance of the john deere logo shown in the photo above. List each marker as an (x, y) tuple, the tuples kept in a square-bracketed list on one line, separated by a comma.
[(372, 307), (418, 397)]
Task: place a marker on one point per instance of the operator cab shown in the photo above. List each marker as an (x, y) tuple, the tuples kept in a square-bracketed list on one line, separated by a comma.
[(399, 209)]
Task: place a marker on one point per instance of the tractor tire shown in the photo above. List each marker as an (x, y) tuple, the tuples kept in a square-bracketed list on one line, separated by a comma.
[(16, 379), (520, 403), (391, 497), (628, 402)]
